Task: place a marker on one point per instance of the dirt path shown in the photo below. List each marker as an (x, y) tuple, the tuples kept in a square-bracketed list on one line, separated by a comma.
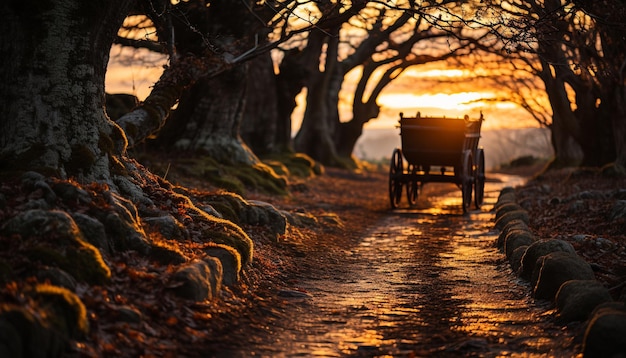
[(416, 282)]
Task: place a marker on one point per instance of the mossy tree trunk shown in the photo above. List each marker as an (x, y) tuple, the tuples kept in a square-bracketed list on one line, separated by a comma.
[(208, 117), (54, 57), (211, 109), (261, 126)]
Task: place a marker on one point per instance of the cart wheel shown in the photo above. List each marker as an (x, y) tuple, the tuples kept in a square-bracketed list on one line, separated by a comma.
[(467, 180), (412, 187), (479, 178), (395, 174)]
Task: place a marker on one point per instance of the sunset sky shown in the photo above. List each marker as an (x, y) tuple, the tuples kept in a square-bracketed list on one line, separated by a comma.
[(430, 89)]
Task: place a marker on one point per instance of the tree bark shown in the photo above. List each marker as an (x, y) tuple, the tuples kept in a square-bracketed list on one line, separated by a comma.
[(290, 81), (321, 115), (618, 125), (54, 60), (564, 128), (208, 118), (260, 123)]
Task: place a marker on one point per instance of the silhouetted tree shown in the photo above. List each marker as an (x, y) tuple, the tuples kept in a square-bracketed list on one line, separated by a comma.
[(381, 42), (579, 50)]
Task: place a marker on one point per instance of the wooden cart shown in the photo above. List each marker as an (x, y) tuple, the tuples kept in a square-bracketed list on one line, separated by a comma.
[(438, 149)]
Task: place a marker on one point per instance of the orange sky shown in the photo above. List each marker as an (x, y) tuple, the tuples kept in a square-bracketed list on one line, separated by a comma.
[(418, 89)]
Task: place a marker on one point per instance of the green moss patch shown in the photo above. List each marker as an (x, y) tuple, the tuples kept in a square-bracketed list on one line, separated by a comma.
[(296, 164), (69, 312), (53, 238), (222, 231)]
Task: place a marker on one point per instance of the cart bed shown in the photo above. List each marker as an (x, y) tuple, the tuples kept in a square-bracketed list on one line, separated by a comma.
[(430, 141)]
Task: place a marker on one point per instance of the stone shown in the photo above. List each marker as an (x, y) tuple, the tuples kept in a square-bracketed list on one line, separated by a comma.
[(515, 239), (507, 194), (591, 195), (618, 210), (57, 241), (303, 219), (71, 193), (576, 299), (540, 248), (604, 336), (199, 280), (576, 207), (504, 199), (556, 268), (230, 260), (511, 225), (125, 235), (57, 277), (211, 211), (510, 216), (168, 226), (26, 334), (93, 231), (505, 208), (263, 213), (128, 314), (515, 260)]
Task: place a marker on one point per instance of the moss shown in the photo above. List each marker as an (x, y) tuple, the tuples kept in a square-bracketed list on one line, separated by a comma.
[(83, 262), (265, 182), (298, 164), (222, 231), (226, 210), (259, 177), (87, 264), (228, 183), (268, 174), (242, 244), (69, 313), (278, 167), (165, 253)]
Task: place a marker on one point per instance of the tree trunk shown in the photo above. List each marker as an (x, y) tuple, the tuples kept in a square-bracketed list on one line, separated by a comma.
[(260, 122), (54, 60), (618, 125), (208, 118), (289, 83), (321, 116), (315, 136), (567, 151)]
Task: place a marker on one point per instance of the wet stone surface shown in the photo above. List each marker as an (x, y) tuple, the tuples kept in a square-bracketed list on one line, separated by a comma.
[(425, 282)]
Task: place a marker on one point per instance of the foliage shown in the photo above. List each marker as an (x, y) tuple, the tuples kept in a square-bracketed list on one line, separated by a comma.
[(293, 164)]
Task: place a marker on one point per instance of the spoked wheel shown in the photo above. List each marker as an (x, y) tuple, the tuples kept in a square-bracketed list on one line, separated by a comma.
[(479, 178), (395, 174), (467, 180), (412, 187)]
